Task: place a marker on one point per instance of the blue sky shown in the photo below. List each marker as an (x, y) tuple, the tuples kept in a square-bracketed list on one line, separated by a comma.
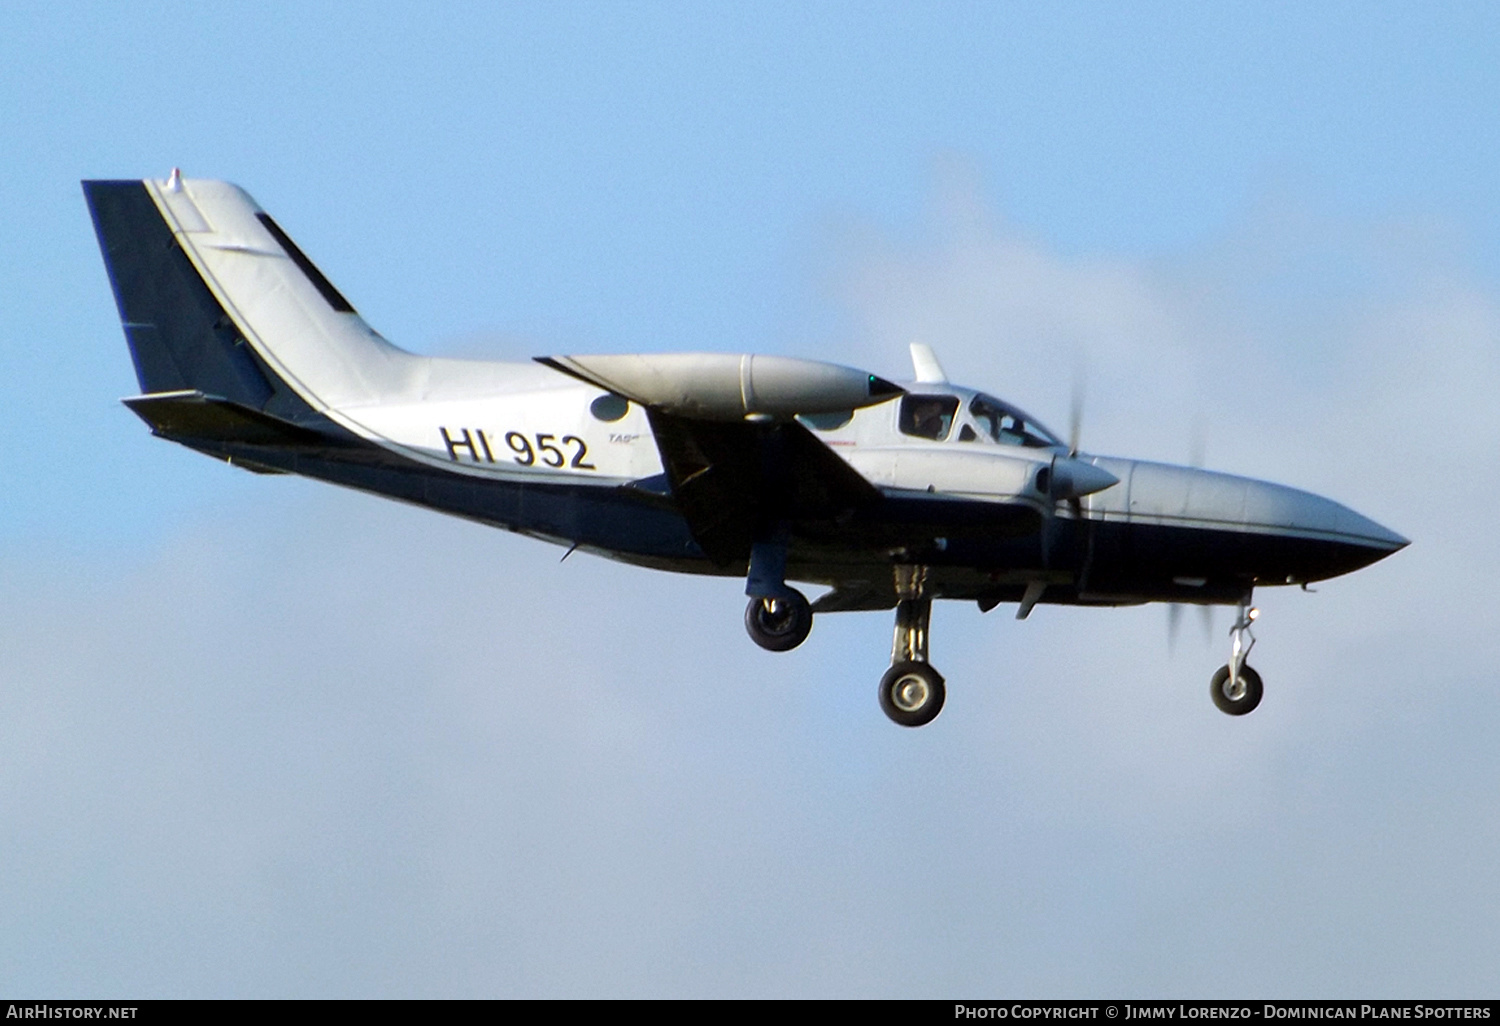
[(263, 737)]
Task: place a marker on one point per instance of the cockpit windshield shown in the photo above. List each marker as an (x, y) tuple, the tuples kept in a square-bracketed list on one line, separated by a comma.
[(939, 416), (1008, 425)]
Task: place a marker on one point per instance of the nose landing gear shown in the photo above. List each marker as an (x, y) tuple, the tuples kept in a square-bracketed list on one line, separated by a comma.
[(1236, 688), (911, 692)]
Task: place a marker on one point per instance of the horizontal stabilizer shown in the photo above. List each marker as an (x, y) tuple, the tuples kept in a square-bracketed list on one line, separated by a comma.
[(192, 416)]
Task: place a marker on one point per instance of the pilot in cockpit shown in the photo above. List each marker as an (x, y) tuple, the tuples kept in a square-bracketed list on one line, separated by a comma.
[(930, 421), (928, 416)]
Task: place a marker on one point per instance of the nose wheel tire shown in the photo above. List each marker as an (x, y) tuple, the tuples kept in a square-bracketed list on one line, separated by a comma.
[(912, 694), (1239, 698), (779, 624)]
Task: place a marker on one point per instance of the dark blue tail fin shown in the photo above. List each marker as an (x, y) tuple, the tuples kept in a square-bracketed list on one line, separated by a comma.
[(179, 335)]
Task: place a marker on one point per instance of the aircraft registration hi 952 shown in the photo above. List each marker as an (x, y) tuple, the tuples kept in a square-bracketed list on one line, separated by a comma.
[(768, 468)]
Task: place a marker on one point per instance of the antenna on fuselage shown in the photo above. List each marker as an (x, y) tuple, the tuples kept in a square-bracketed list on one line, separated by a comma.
[(924, 364)]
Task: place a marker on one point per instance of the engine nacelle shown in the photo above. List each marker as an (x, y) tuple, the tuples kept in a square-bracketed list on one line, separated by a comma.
[(726, 386)]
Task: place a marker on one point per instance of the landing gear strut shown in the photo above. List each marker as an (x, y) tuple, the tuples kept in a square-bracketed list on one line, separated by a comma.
[(1236, 688), (911, 692)]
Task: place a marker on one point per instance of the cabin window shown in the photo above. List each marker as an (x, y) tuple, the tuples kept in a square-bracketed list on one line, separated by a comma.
[(928, 416), (609, 407)]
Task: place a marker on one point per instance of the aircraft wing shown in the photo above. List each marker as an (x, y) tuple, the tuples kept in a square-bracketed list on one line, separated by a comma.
[(735, 481), (739, 467)]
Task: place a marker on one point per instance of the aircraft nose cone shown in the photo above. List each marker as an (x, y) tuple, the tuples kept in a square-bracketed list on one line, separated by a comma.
[(1341, 539), (1373, 533), (1249, 528), (1292, 509)]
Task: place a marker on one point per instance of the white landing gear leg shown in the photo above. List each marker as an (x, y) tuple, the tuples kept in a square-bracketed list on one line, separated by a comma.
[(1236, 688), (911, 692)]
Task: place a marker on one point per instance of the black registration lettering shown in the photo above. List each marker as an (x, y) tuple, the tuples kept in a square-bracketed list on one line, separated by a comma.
[(473, 444), (583, 450), (464, 441), (548, 450), (519, 445)]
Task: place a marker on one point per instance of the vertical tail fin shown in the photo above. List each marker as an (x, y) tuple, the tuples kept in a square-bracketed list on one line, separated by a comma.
[(216, 298), (179, 335)]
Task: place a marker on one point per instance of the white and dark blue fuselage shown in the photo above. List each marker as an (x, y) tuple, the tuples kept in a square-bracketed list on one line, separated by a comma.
[(699, 463)]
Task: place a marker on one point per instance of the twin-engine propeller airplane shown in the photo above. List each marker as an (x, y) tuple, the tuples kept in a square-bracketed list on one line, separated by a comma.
[(768, 468)]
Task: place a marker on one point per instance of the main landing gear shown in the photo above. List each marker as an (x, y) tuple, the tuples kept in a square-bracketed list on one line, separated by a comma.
[(779, 618), (779, 624), (911, 692), (1236, 688)]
